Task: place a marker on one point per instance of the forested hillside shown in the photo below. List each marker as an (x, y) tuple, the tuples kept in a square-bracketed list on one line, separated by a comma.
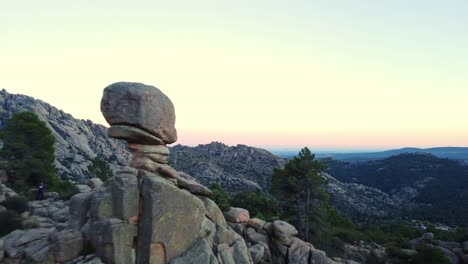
[(432, 188)]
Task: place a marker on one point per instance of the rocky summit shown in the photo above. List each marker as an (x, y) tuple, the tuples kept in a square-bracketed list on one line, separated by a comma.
[(77, 142), (236, 168)]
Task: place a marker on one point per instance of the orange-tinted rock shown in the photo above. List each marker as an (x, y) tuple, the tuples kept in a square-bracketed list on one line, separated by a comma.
[(142, 106)]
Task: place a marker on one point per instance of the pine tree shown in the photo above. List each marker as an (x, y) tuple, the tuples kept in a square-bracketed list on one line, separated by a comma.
[(297, 190), (28, 151)]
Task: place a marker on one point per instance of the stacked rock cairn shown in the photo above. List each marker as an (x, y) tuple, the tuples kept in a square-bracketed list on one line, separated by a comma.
[(148, 213)]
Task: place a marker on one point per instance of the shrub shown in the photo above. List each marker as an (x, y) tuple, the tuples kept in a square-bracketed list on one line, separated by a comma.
[(220, 197), (9, 221), (65, 189), (16, 203), (429, 255), (99, 168), (28, 150), (256, 203)]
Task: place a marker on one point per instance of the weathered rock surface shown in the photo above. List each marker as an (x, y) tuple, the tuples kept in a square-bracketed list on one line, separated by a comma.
[(142, 106), (77, 142), (237, 215), (235, 168), (94, 183), (65, 245), (172, 216)]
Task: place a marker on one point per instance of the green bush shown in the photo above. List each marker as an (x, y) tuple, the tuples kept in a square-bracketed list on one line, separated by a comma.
[(16, 203), (65, 189), (28, 151), (9, 221), (397, 252), (220, 197), (99, 168), (256, 203), (429, 255)]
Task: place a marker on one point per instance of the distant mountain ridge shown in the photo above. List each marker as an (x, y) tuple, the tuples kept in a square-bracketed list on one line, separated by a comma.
[(458, 153)]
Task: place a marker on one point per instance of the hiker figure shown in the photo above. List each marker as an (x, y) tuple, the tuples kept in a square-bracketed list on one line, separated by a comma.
[(40, 191)]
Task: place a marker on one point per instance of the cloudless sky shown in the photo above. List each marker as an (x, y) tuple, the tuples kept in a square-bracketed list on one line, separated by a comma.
[(327, 74)]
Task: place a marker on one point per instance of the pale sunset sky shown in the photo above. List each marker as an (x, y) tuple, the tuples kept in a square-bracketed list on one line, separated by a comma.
[(337, 75)]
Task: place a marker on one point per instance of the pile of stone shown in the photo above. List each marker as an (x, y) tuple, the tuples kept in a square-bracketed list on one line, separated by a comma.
[(149, 212)]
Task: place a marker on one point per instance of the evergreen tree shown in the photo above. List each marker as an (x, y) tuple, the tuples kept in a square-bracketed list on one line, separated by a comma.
[(99, 168), (28, 150), (256, 203), (297, 190), (220, 197)]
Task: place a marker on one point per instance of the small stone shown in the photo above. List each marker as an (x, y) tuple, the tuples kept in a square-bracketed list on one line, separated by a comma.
[(237, 215), (155, 149), (134, 135), (81, 188), (143, 163), (164, 159), (193, 187), (256, 223), (283, 232), (94, 183), (133, 220)]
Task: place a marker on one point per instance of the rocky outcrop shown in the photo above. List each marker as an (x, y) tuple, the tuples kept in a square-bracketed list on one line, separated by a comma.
[(77, 142), (235, 168), (149, 212), (273, 242), (46, 237)]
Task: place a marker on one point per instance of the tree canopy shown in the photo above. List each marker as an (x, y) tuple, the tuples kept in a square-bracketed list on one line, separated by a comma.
[(99, 168), (28, 150), (297, 190)]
